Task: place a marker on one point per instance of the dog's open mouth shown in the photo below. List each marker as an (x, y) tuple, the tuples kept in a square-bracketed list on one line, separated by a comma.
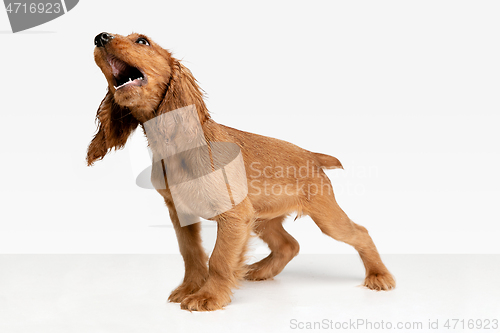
[(125, 75)]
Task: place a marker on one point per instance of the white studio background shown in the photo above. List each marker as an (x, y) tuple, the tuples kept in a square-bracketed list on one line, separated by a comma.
[(405, 94)]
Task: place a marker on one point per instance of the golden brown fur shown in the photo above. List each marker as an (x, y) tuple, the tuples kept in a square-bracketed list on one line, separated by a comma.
[(270, 164)]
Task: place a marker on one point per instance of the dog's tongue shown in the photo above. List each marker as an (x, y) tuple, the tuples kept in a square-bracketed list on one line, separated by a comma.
[(117, 66)]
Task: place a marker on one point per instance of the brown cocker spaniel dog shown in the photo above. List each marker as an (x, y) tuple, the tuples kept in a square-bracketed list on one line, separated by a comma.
[(145, 82)]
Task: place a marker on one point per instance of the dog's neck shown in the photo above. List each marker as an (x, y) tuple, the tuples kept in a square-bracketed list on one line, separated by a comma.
[(175, 131)]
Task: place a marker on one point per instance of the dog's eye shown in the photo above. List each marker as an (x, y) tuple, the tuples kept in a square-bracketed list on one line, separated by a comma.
[(142, 41)]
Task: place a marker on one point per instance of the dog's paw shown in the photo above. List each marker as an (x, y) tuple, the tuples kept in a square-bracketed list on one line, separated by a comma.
[(257, 273), (380, 281), (205, 301), (182, 291)]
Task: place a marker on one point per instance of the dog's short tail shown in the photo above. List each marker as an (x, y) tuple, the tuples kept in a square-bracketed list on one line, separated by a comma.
[(327, 161)]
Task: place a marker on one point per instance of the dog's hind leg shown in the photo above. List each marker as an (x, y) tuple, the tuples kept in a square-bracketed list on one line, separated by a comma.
[(331, 219), (283, 249)]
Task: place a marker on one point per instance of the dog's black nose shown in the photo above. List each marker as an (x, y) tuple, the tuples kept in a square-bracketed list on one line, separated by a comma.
[(102, 39)]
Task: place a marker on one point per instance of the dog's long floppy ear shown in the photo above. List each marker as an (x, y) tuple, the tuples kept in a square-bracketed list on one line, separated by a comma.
[(115, 124), (183, 90)]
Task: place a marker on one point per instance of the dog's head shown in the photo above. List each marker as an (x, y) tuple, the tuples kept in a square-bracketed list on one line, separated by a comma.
[(137, 70), (144, 81)]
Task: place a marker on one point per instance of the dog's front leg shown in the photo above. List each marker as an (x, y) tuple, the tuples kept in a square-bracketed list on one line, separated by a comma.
[(226, 265), (195, 258)]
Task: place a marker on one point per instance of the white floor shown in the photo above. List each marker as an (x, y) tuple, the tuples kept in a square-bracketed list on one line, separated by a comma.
[(127, 293)]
